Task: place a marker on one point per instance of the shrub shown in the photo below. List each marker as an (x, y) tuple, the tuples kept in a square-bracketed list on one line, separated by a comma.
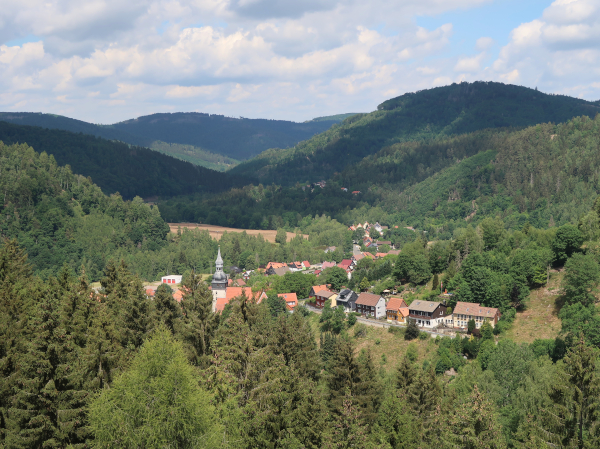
[(360, 330), (412, 330), (411, 352), (377, 341), (351, 320), (423, 335)]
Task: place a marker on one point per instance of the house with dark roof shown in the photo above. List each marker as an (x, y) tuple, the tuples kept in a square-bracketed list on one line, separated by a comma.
[(369, 304), (347, 298), (427, 313), (465, 311)]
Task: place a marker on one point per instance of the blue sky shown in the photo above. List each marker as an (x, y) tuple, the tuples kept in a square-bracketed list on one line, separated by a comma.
[(107, 60)]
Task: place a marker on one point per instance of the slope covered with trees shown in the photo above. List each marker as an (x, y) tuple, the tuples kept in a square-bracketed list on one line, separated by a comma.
[(443, 111), (118, 167), (236, 138), (542, 174)]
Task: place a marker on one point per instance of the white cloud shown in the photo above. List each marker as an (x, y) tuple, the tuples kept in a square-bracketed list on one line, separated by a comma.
[(109, 60)]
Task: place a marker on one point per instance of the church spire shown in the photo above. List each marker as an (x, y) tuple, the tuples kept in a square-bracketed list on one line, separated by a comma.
[(219, 261)]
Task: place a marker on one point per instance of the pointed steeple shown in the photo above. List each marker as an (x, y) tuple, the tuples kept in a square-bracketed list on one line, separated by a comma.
[(219, 261)]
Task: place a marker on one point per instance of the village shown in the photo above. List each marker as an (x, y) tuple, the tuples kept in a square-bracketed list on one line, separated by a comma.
[(387, 307)]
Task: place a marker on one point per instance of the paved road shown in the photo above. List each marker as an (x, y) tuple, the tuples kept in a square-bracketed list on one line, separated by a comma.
[(377, 323)]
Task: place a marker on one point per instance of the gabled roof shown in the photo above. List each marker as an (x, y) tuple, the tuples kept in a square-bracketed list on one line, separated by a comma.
[(470, 308), (234, 292), (380, 255), (368, 299), (318, 272), (328, 264), (403, 311), (395, 304), (318, 288), (281, 271), (367, 254), (150, 292), (291, 300), (325, 293), (424, 306), (344, 295), (275, 265), (178, 295), (345, 264), (306, 263)]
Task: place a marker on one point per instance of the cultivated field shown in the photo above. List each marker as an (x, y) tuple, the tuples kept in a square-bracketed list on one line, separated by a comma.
[(216, 232)]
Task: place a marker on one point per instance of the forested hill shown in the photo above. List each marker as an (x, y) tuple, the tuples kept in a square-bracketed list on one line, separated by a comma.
[(118, 167), (544, 174), (237, 138), (433, 113)]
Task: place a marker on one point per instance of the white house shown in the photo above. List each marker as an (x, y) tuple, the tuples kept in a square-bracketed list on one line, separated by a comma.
[(171, 279)]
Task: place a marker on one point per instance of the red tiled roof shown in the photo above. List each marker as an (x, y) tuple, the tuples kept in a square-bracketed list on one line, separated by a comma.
[(328, 264), (318, 288), (306, 263), (395, 304), (291, 300), (275, 265), (234, 292), (318, 272), (345, 264), (150, 291), (178, 295), (368, 299)]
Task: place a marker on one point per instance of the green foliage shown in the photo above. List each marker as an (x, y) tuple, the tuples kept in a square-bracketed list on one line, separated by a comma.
[(156, 402), (568, 240), (471, 326), (412, 330), (276, 305), (335, 276), (582, 275), (412, 268), (116, 167)]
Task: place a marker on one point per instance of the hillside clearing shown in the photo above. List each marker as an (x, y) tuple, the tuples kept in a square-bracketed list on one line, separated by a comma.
[(216, 232), (540, 318)]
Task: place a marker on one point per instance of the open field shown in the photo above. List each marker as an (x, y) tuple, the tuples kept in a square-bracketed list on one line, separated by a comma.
[(216, 232), (540, 318), (393, 346)]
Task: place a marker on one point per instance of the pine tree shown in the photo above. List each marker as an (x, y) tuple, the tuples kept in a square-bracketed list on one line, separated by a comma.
[(198, 323), (473, 425), (47, 409), (166, 309), (406, 374), (348, 429)]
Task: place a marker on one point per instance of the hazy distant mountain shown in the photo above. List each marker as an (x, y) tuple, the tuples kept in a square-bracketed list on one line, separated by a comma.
[(235, 138), (432, 113)]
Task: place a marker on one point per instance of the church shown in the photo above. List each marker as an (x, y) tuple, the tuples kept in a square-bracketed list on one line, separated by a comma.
[(222, 293)]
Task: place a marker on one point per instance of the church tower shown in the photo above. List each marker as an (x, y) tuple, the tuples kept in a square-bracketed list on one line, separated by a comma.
[(219, 281)]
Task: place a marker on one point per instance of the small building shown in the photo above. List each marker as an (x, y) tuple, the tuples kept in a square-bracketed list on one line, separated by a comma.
[(369, 304), (346, 264), (465, 311), (427, 313), (328, 265), (322, 296), (171, 279), (235, 292), (396, 310), (291, 300), (347, 298), (306, 264), (317, 288)]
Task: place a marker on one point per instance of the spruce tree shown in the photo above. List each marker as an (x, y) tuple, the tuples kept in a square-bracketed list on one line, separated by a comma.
[(166, 309), (198, 323), (473, 425), (47, 409), (348, 429)]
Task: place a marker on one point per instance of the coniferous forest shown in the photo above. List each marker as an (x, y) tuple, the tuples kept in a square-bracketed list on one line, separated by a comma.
[(504, 214)]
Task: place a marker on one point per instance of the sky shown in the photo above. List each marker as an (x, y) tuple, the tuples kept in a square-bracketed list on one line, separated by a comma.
[(104, 61)]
